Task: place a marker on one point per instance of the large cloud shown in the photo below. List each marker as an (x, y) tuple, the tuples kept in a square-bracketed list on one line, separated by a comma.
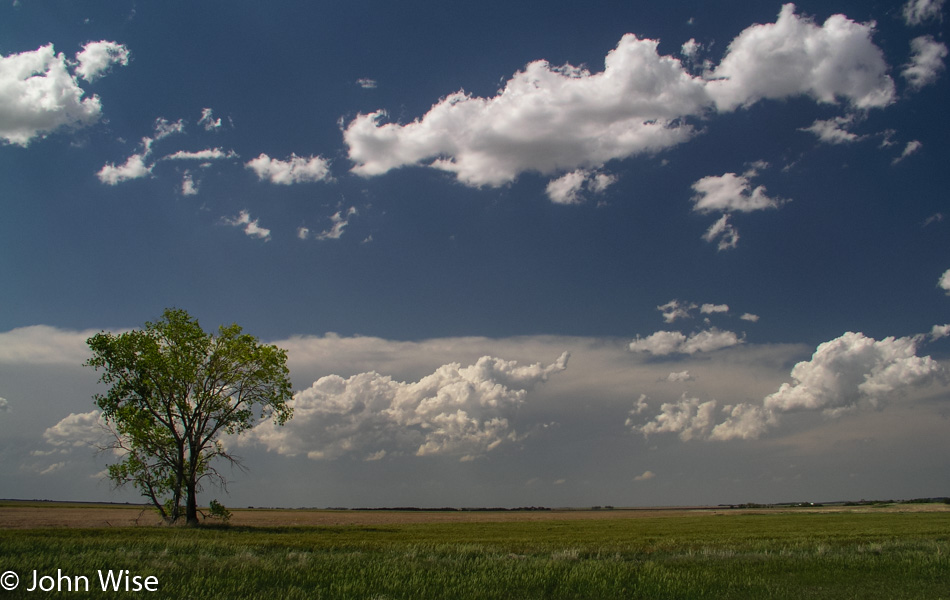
[(457, 411), (566, 119), (793, 56), (845, 374), (38, 94), (851, 371), (546, 119)]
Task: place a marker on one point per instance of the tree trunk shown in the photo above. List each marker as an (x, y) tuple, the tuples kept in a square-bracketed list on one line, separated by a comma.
[(191, 503)]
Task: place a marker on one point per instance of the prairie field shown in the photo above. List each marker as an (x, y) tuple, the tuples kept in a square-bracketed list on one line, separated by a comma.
[(898, 552)]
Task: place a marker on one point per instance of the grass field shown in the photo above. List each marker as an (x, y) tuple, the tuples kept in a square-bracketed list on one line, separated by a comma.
[(616, 554)]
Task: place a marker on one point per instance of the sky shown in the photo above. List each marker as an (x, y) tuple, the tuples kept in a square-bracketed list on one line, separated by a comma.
[(519, 253)]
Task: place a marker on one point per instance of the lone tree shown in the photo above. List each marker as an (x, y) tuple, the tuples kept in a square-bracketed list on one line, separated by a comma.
[(174, 390)]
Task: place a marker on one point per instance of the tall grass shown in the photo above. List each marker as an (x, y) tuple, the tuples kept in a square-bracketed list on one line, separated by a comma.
[(772, 556)]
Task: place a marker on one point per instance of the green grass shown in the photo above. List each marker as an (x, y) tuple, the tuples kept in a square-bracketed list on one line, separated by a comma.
[(776, 555)]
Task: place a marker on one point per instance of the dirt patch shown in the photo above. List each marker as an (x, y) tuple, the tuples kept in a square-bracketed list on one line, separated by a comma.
[(46, 515)]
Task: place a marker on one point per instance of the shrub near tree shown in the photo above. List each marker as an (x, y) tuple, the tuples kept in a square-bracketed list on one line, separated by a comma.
[(174, 390)]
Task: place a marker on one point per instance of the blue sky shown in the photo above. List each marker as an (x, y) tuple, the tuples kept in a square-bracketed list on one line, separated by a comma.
[(631, 253)]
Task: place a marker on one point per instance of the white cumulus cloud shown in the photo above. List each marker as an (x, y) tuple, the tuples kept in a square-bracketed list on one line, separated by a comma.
[(688, 418), (567, 120), (851, 372), (296, 169), (710, 309), (731, 193), (455, 411), (944, 281), (38, 95), (208, 121), (133, 168), (723, 231), (340, 220), (252, 227), (76, 430), (568, 189), (674, 309), (833, 131), (916, 12), (926, 61), (546, 119), (794, 56), (663, 343), (204, 155), (96, 58), (912, 147)]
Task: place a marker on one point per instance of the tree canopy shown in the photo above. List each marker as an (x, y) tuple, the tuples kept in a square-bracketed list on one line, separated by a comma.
[(174, 391)]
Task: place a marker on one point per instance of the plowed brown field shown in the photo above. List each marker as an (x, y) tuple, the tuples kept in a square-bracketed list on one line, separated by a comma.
[(29, 515)]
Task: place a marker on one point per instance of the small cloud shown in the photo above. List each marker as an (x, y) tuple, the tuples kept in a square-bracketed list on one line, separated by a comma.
[(296, 169), (680, 377), (708, 309), (188, 185), (4, 405), (750, 317), (76, 430), (568, 188), (53, 468), (133, 168), (926, 62), (944, 282), (833, 131), (252, 228), (96, 58), (911, 148), (340, 221), (731, 193), (916, 12), (366, 83), (674, 309), (645, 476), (205, 155), (639, 407), (934, 218), (691, 49), (723, 231), (663, 343), (163, 129), (375, 456), (208, 121)]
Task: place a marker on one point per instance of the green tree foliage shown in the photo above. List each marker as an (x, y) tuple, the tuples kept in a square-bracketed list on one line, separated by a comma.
[(174, 390)]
